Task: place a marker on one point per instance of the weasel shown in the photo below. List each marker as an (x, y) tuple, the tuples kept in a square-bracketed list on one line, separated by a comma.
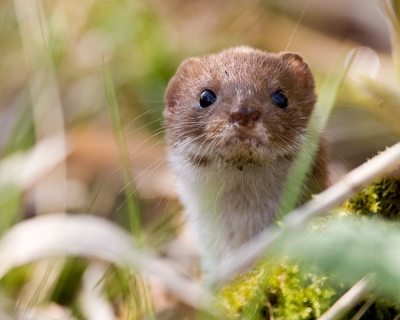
[(234, 123)]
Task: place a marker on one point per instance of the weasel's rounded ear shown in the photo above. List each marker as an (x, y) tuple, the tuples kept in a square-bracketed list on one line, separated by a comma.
[(179, 82), (170, 97), (296, 63)]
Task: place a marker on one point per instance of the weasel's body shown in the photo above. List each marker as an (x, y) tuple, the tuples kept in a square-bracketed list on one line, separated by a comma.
[(234, 123)]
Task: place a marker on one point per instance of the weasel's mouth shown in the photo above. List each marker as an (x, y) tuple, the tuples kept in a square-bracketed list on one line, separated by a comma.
[(242, 135), (247, 137), (236, 139)]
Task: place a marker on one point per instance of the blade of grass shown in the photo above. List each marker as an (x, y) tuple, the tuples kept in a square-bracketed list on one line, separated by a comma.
[(39, 288), (394, 28), (22, 134), (10, 206), (301, 167), (48, 114), (92, 299), (365, 307), (131, 199), (92, 237), (21, 171), (350, 299), (27, 169)]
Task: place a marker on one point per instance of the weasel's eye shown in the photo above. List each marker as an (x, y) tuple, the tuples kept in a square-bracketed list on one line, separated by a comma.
[(279, 99), (207, 98)]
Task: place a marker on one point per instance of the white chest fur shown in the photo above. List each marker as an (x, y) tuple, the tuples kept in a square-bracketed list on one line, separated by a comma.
[(227, 206)]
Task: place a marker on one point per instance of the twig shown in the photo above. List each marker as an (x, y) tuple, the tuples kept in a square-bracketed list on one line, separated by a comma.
[(350, 299), (381, 165)]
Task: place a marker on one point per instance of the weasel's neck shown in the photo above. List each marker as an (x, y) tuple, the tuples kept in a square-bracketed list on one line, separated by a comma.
[(228, 206)]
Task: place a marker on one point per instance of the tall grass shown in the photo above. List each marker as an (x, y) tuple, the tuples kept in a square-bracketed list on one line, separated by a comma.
[(131, 200), (70, 65)]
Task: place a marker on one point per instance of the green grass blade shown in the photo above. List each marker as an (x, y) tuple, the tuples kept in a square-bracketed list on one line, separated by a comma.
[(131, 199), (392, 11), (304, 161), (10, 206)]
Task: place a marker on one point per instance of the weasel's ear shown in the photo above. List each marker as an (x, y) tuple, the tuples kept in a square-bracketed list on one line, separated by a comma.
[(172, 92), (171, 95), (296, 63), (178, 84)]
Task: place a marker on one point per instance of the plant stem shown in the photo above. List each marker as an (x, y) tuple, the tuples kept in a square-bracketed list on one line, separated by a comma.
[(350, 299), (301, 167), (394, 28), (131, 199), (383, 164)]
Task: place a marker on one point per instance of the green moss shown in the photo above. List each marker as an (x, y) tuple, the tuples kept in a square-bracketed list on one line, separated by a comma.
[(380, 198), (280, 289), (283, 290)]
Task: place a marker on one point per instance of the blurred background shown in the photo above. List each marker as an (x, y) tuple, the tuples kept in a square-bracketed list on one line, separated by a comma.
[(56, 57)]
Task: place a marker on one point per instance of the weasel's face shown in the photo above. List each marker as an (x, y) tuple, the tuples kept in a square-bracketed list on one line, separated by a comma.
[(239, 106)]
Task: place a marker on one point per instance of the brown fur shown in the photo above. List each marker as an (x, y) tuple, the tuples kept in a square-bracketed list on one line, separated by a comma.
[(235, 172)]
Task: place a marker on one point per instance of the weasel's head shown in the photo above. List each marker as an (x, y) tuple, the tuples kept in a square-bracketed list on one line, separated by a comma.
[(239, 106)]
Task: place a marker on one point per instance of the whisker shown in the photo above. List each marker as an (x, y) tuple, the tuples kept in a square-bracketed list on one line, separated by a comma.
[(216, 199), (160, 131), (144, 126), (297, 25), (162, 159), (138, 186), (128, 162), (143, 114)]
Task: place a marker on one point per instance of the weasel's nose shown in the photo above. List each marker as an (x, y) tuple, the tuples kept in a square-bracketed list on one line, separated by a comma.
[(245, 116)]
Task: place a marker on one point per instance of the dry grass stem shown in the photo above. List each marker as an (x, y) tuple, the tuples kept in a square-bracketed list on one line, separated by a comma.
[(89, 236), (46, 103), (27, 169), (365, 307), (350, 299), (392, 16), (383, 164), (92, 300)]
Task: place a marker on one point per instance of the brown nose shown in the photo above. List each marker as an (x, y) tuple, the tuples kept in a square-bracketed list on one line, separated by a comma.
[(245, 116)]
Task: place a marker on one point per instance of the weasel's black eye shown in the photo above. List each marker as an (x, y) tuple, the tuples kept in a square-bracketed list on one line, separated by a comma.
[(279, 99), (207, 98)]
